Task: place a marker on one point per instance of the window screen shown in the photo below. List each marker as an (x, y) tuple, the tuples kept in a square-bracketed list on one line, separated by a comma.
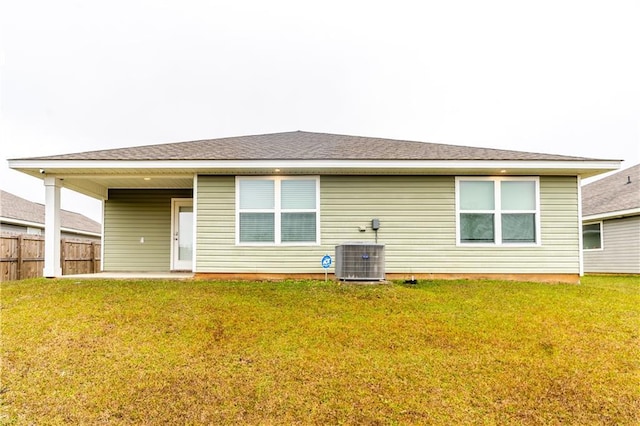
[(497, 210), (277, 210), (592, 236)]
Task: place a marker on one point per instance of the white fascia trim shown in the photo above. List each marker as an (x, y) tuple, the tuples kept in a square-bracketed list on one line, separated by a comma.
[(314, 164), (75, 231), (12, 221), (611, 215)]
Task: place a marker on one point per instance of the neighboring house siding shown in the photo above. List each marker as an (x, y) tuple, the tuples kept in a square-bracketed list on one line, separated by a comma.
[(130, 215), (621, 248), (417, 216), (7, 228), (18, 229)]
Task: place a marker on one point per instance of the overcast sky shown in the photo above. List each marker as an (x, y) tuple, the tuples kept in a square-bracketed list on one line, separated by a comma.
[(545, 76)]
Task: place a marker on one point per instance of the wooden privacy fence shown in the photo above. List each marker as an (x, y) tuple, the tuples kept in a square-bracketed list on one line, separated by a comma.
[(22, 256)]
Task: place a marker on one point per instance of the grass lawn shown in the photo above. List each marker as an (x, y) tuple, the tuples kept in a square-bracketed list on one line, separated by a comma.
[(310, 352)]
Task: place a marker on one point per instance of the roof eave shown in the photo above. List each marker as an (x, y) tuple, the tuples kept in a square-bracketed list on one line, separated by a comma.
[(31, 224), (612, 215), (95, 177), (583, 168)]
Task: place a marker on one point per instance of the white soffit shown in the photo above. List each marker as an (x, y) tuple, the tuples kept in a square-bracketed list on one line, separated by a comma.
[(92, 167)]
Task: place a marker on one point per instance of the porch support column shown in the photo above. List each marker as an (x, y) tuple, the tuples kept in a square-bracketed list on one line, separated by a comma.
[(580, 241), (52, 267)]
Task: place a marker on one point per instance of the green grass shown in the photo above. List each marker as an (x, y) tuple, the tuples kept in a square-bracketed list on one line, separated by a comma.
[(310, 352)]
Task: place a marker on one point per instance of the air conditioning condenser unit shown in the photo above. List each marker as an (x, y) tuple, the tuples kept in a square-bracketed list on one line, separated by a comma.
[(360, 261)]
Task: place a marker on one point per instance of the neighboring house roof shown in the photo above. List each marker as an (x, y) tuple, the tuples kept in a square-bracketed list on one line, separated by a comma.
[(614, 195), (18, 210), (305, 146)]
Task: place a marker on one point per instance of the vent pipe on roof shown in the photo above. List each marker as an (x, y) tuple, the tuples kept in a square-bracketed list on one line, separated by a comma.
[(628, 180)]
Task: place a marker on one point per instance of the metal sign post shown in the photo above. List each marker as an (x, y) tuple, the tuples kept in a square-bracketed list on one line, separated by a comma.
[(326, 263)]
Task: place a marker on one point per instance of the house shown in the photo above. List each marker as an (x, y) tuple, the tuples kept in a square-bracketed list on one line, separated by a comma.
[(273, 205), (611, 223), (20, 216)]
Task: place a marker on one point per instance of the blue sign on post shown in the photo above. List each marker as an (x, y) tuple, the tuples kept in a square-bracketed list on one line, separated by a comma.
[(326, 263)]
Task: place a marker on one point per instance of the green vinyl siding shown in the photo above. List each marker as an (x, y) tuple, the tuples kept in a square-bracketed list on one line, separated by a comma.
[(130, 215), (418, 228), (216, 244)]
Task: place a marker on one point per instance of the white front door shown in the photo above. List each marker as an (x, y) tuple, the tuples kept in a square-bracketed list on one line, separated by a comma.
[(182, 234)]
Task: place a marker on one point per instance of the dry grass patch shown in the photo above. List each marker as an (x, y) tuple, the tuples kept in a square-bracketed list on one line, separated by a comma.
[(440, 352)]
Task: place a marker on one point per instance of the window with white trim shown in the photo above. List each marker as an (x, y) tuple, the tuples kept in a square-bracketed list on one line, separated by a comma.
[(497, 210), (277, 210), (592, 236)]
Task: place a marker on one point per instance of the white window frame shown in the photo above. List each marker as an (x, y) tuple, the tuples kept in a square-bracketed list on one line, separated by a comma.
[(601, 223), (497, 210), (277, 210)]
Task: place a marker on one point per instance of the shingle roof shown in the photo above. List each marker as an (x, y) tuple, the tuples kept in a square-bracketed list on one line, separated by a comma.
[(619, 191), (305, 146), (14, 207)]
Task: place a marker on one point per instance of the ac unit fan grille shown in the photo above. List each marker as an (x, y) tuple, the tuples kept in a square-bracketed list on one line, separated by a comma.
[(360, 262)]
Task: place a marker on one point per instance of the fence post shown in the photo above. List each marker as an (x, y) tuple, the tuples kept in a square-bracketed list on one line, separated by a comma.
[(63, 256), (97, 256), (92, 269), (19, 257)]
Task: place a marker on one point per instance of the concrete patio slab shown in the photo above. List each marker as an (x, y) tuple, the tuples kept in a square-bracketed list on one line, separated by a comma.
[(134, 275)]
